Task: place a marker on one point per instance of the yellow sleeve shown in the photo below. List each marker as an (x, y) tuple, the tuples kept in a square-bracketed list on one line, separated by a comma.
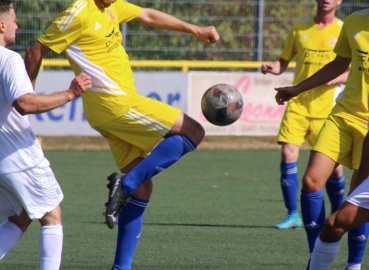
[(289, 50), (126, 11), (65, 29), (342, 47)]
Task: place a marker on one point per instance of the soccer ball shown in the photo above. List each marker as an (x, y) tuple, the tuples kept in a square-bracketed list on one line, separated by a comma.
[(222, 104)]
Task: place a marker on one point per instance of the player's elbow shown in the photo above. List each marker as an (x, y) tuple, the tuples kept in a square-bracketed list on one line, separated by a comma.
[(23, 105)]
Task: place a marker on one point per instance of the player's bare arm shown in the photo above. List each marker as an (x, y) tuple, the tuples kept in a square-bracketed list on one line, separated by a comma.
[(32, 103), (276, 68), (342, 79), (161, 20), (329, 72), (33, 60)]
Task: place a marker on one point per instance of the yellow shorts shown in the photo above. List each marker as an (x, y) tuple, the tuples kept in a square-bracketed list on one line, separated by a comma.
[(341, 140), (136, 133), (295, 128)]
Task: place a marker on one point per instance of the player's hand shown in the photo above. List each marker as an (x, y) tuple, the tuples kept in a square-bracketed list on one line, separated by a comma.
[(266, 68), (79, 85), (285, 94), (208, 34)]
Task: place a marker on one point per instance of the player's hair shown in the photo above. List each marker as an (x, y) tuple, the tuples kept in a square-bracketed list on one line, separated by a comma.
[(6, 5)]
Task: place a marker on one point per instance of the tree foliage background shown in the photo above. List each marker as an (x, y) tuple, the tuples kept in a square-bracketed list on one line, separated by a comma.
[(238, 23)]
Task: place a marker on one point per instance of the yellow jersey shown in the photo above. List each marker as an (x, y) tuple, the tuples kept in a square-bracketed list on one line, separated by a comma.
[(93, 44), (353, 42), (314, 49)]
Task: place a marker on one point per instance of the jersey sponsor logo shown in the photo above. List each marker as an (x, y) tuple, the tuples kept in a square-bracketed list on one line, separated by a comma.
[(114, 40), (108, 11), (97, 26), (111, 33), (363, 59), (317, 57)]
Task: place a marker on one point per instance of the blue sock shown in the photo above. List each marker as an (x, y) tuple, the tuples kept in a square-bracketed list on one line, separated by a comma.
[(313, 215), (356, 243), (289, 184), (129, 228), (167, 152), (336, 190)]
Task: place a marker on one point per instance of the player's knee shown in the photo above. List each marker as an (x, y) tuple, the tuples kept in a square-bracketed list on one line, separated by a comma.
[(196, 132), (22, 221), (311, 183), (338, 172), (290, 153), (52, 218), (332, 230)]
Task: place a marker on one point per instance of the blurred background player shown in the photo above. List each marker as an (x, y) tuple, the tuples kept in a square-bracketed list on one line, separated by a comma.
[(313, 42), (341, 137), (28, 188), (89, 32)]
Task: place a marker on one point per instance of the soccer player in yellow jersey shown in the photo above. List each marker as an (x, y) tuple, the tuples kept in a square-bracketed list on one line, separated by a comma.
[(339, 142), (134, 125), (312, 41)]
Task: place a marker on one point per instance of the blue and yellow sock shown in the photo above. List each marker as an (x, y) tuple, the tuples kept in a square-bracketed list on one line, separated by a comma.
[(129, 228), (313, 215), (167, 152), (336, 190), (289, 185)]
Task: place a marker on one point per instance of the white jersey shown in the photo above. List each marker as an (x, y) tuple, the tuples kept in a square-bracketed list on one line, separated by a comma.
[(19, 147)]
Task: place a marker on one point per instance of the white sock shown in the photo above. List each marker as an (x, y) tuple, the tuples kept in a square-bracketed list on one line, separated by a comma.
[(50, 248), (323, 254), (350, 266), (9, 235)]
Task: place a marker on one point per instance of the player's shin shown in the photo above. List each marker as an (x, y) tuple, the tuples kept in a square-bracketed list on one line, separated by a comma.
[(289, 185), (50, 247), (323, 254), (167, 152), (336, 191), (129, 228), (313, 214), (357, 239), (9, 235)]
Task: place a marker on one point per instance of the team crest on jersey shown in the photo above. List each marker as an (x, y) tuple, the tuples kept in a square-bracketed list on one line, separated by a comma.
[(110, 15), (332, 41)]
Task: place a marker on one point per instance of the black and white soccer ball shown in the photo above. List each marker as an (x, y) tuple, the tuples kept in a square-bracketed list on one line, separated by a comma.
[(222, 104)]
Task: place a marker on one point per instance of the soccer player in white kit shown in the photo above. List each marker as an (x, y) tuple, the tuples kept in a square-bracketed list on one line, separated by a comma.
[(28, 188)]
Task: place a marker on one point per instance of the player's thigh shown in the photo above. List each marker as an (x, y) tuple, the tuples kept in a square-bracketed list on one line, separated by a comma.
[(319, 168), (341, 140), (293, 128), (36, 190), (134, 134)]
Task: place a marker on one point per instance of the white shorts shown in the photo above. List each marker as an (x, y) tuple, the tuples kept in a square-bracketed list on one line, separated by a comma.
[(360, 196), (36, 190)]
